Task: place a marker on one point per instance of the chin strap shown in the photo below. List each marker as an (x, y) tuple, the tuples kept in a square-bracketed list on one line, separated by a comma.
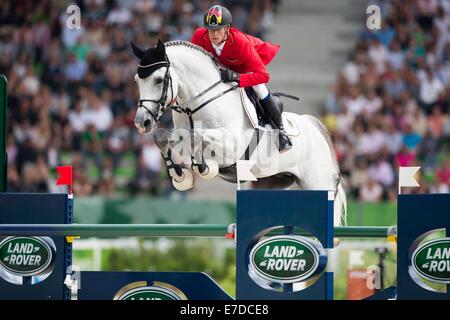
[(226, 37), (220, 43)]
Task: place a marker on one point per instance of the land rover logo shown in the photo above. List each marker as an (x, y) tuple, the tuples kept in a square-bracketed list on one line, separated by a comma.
[(25, 256), (149, 293), (431, 260), (285, 259)]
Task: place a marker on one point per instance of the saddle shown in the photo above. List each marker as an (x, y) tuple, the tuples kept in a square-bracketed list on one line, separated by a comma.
[(261, 124), (258, 116)]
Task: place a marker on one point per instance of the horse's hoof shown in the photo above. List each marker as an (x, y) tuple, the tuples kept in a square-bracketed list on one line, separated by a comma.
[(212, 170), (185, 182)]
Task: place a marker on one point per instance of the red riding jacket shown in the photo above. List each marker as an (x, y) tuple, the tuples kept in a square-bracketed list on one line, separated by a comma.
[(241, 53)]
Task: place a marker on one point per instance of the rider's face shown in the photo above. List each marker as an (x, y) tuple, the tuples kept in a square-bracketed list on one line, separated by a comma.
[(218, 35)]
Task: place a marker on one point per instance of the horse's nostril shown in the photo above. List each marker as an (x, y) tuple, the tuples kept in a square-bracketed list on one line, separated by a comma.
[(147, 123)]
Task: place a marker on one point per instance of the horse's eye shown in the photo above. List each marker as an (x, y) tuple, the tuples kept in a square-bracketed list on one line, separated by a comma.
[(158, 80)]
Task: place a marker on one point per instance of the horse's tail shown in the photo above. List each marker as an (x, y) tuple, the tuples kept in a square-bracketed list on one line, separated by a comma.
[(340, 198), (341, 203)]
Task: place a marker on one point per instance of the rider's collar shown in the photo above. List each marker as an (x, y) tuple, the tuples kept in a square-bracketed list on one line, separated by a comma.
[(218, 48)]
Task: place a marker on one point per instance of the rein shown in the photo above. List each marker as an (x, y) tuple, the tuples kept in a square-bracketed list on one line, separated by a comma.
[(161, 102)]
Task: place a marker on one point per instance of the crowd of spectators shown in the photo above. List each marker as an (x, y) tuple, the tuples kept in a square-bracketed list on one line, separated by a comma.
[(390, 104), (72, 98)]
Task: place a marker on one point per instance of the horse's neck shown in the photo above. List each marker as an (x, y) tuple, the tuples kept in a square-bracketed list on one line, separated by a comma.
[(196, 72), (194, 69)]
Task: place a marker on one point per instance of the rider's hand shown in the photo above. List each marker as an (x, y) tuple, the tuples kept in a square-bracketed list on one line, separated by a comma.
[(228, 75)]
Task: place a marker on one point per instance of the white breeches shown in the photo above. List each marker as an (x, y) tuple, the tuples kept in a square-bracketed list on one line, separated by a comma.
[(261, 90)]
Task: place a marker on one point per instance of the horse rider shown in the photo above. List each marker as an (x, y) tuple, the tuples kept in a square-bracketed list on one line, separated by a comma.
[(246, 57)]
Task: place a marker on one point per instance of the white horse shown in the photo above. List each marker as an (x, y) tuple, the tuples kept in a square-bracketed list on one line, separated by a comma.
[(214, 128)]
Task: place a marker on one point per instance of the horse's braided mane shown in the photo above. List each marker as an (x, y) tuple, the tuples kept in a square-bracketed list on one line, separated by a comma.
[(189, 45)]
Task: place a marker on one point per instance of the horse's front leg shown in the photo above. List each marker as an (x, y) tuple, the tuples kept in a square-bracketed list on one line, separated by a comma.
[(167, 140), (203, 163)]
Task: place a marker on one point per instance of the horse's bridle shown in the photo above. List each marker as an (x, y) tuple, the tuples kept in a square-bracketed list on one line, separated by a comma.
[(162, 100), (178, 108)]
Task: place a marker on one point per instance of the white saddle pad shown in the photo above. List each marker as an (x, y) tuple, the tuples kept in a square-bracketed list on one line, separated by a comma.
[(290, 127)]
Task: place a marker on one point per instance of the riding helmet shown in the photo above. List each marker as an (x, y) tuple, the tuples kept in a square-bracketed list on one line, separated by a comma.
[(217, 17)]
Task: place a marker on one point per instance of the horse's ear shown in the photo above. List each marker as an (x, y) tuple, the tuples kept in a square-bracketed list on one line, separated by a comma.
[(138, 52), (160, 45)]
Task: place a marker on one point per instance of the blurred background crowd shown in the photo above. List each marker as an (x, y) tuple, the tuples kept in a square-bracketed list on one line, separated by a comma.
[(71, 94), (390, 104)]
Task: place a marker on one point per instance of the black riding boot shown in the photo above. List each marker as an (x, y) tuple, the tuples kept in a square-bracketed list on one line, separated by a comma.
[(271, 108)]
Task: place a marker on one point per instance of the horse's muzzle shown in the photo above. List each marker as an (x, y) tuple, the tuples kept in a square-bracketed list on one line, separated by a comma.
[(143, 122)]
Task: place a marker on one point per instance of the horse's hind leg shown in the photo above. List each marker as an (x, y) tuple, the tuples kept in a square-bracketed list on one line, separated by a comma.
[(322, 175), (182, 178), (318, 168)]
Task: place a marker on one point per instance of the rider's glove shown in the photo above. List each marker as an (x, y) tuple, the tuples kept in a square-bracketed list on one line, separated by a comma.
[(228, 75)]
